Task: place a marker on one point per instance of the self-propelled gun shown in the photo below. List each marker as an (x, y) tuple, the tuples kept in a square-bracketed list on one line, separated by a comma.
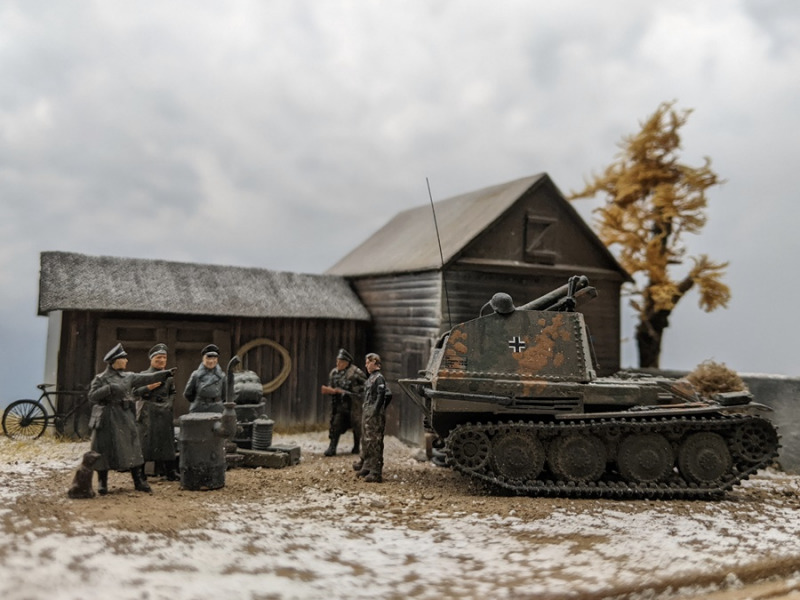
[(514, 396)]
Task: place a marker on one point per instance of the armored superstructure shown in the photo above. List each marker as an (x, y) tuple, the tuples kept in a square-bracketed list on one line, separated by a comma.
[(514, 396)]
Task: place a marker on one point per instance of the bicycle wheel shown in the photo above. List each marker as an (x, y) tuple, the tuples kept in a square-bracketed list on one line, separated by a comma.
[(24, 420)]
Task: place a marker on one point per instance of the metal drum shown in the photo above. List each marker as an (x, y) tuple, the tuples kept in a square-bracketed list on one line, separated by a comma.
[(202, 439)]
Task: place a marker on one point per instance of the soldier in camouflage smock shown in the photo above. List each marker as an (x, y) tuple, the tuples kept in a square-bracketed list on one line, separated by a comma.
[(377, 397), (345, 386)]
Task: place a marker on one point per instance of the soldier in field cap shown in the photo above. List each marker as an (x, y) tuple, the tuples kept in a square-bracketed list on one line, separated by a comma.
[(154, 418), (346, 388), (206, 385), (113, 425), (377, 397)]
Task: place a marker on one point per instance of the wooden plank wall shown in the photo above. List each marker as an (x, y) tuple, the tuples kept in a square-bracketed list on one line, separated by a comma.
[(406, 313), (605, 328), (76, 360), (312, 345)]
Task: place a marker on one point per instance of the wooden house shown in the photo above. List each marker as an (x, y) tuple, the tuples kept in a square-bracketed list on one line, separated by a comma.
[(285, 325), (522, 237)]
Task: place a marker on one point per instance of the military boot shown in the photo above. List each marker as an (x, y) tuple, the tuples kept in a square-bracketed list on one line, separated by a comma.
[(373, 478), (331, 451), (138, 483), (170, 468), (358, 465), (102, 482)]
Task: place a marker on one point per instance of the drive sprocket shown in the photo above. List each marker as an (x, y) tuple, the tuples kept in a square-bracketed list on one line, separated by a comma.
[(469, 448)]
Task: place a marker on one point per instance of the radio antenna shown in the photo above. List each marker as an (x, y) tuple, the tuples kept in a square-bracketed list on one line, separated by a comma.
[(441, 255)]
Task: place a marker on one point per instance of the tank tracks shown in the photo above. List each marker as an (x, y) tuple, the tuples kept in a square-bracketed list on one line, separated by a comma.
[(692, 457)]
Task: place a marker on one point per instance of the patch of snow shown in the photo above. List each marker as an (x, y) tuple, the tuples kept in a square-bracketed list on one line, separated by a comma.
[(271, 550)]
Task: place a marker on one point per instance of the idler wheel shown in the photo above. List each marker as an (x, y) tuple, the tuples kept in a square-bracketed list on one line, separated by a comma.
[(645, 458), (704, 458), (578, 458), (755, 440), (469, 448), (518, 456)]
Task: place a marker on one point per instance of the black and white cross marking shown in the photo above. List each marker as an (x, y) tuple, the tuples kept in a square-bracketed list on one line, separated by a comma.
[(516, 344)]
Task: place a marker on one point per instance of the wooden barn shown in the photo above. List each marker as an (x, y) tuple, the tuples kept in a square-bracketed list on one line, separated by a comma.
[(287, 326), (522, 237)]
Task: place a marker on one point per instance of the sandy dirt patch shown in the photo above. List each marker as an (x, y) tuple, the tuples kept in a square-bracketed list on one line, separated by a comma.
[(314, 530)]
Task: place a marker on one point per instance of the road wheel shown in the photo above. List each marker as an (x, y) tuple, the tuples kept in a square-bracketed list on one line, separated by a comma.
[(517, 456), (645, 458), (704, 458), (578, 458)]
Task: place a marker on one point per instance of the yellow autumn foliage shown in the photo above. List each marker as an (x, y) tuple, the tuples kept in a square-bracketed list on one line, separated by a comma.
[(652, 200)]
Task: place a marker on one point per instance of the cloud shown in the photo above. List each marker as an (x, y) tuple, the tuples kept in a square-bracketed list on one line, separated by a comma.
[(281, 134)]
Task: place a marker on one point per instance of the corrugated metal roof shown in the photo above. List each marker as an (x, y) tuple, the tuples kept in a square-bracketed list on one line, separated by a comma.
[(70, 281), (408, 242)]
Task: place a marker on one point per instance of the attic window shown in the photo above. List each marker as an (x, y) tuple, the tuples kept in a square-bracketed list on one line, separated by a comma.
[(540, 240)]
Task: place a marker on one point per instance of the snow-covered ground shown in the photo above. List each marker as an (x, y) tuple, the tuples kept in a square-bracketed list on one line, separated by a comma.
[(295, 533)]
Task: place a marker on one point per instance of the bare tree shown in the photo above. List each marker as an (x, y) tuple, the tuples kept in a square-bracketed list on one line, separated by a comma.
[(652, 200)]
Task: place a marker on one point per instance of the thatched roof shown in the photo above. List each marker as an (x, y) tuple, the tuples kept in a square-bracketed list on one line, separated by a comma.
[(407, 243), (71, 281)]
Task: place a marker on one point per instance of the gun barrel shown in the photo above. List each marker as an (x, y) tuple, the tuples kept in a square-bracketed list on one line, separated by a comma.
[(550, 298)]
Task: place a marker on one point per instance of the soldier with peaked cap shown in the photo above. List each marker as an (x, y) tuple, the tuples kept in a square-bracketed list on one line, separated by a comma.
[(346, 388), (113, 425), (154, 418), (206, 385)]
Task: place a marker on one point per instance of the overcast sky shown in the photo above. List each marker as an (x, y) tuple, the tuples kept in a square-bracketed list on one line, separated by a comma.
[(282, 134)]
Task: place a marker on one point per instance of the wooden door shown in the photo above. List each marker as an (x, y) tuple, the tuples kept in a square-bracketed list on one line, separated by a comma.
[(184, 339)]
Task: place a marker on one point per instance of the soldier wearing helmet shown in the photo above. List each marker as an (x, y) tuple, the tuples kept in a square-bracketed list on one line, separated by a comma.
[(345, 387)]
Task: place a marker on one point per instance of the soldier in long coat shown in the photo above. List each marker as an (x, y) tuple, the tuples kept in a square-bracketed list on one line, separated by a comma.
[(346, 388), (113, 425), (377, 397), (206, 385), (154, 417)]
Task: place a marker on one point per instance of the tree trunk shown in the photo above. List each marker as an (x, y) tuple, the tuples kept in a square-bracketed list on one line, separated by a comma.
[(649, 333), (652, 324)]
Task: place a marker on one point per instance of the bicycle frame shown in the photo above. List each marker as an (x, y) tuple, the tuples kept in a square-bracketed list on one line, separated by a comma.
[(29, 419), (52, 407)]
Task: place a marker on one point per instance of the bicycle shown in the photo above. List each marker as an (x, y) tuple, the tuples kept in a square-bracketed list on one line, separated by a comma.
[(29, 419)]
